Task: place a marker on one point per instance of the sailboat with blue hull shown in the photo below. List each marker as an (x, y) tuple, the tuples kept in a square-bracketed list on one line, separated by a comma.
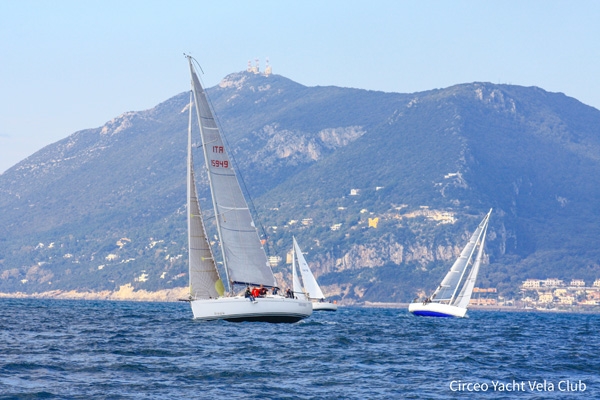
[(447, 301)]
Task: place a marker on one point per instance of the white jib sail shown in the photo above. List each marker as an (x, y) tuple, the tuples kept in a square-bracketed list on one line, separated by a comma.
[(243, 254), (464, 297), (296, 286), (204, 277), (447, 289), (310, 283)]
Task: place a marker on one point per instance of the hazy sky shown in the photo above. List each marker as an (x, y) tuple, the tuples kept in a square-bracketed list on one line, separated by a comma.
[(72, 65)]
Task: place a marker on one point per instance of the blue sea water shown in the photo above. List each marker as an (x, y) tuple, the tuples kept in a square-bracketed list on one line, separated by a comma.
[(128, 350)]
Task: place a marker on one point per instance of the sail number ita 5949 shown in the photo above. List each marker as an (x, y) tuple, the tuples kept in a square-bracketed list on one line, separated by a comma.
[(219, 163)]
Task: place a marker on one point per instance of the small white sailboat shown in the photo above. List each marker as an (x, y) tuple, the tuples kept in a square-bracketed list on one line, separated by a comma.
[(311, 288), (446, 301), (243, 256)]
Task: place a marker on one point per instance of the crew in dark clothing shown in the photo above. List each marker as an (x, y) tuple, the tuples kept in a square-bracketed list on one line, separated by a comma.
[(248, 294), (263, 291)]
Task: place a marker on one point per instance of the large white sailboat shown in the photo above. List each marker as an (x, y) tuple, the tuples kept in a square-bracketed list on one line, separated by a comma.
[(446, 301), (243, 256), (311, 288)]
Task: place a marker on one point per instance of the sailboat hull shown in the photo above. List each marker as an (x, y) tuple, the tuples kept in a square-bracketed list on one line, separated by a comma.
[(240, 309), (436, 310), (324, 306)]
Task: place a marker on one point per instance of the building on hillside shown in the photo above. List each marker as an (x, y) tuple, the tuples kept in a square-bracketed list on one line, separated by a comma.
[(484, 297), (560, 292), (568, 300), (274, 261), (577, 283), (531, 284), (553, 282), (593, 296), (483, 302), (546, 297)]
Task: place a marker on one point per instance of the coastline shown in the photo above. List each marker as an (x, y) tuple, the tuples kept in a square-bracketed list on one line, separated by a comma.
[(125, 293)]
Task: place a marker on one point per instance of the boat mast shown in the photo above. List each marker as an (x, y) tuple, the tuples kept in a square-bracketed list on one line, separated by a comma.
[(294, 277), (189, 189), (293, 255), (210, 182)]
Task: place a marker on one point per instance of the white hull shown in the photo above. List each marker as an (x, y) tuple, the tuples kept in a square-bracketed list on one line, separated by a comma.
[(324, 306), (239, 309), (436, 310)]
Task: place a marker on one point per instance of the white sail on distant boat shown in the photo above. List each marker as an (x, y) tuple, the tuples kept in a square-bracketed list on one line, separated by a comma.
[(311, 288), (297, 290), (243, 256), (446, 301)]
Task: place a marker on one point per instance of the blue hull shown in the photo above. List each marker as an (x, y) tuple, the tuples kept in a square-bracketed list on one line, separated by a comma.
[(424, 313)]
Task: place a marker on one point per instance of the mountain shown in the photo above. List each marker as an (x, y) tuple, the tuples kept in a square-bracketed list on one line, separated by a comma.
[(381, 189)]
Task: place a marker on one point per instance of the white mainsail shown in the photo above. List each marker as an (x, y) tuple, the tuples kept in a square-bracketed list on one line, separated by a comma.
[(446, 292), (244, 257), (205, 282), (465, 294), (311, 286)]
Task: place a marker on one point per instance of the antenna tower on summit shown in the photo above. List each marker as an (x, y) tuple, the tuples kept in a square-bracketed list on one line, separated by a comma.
[(253, 69), (268, 69)]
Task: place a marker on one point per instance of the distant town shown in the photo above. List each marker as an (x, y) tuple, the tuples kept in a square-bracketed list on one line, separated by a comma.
[(555, 293), (545, 294)]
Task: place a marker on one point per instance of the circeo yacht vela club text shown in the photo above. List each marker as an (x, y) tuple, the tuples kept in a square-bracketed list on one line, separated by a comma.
[(519, 386)]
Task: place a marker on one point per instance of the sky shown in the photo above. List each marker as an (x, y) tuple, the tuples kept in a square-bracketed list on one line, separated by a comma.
[(68, 65)]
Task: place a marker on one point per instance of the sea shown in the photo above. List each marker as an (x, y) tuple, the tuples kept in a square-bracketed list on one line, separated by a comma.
[(74, 349)]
